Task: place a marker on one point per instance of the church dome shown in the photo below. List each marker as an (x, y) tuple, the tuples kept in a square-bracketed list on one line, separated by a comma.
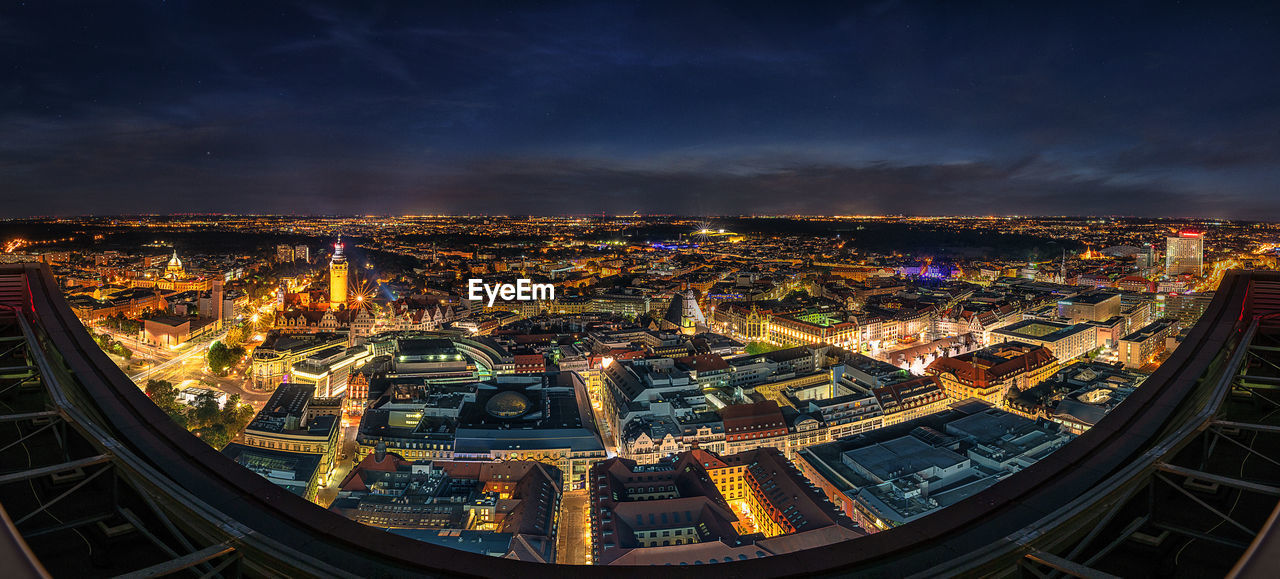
[(509, 404)]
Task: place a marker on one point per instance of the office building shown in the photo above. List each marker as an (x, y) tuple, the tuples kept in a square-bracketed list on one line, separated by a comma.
[(895, 475), (1092, 306), (1141, 347), (289, 430), (1184, 253), (1066, 341), (1184, 307), (507, 509)]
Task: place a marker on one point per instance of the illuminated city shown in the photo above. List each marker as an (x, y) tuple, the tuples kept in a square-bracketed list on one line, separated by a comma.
[(534, 289), (342, 353)]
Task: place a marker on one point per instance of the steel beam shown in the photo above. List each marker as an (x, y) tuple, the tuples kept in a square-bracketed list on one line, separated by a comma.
[(1217, 478), (184, 562), (1067, 566), (53, 469), (29, 416), (1247, 426), (65, 494)]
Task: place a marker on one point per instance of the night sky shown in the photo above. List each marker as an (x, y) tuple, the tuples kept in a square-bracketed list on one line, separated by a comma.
[(1156, 109)]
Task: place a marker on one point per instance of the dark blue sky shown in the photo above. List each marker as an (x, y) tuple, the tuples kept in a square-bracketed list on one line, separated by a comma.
[(952, 108)]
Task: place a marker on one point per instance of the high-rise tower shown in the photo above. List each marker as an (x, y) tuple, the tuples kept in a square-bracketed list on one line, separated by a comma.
[(1185, 254), (337, 277)]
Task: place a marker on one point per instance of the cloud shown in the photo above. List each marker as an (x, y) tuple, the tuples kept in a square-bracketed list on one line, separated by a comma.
[(519, 186)]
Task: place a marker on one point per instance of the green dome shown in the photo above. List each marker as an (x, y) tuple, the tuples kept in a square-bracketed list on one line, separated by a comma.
[(509, 404)]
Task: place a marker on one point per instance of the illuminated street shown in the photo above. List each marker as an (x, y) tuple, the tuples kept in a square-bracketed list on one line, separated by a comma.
[(573, 542)]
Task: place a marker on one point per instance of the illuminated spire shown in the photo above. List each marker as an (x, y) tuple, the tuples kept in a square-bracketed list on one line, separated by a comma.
[(337, 250)]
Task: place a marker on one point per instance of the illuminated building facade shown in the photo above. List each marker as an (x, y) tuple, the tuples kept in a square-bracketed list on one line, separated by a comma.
[(1184, 254), (287, 425), (1141, 347), (338, 277), (989, 373), (1066, 341)]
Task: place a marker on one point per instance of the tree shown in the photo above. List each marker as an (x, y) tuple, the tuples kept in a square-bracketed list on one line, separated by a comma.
[(166, 397), (118, 349), (795, 295), (161, 391), (235, 336), (216, 426), (217, 357), (229, 409), (204, 410), (760, 348), (221, 358), (215, 435)]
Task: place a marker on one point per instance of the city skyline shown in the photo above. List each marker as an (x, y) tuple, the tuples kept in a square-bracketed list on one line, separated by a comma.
[(1139, 109), (610, 288), (663, 365)]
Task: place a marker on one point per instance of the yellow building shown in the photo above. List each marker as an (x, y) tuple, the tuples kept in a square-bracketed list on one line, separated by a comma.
[(989, 373), (337, 277)]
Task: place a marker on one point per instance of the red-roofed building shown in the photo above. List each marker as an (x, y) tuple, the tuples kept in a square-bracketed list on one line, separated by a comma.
[(1136, 283), (710, 370), (911, 399), (692, 509), (989, 373), (750, 426), (530, 363)]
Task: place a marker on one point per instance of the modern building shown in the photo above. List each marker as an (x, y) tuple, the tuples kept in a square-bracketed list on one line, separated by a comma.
[(545, 418), (329, 369), (286, 425), (680, 511), (895, 475), (1092, 306), (298, 473), (1141, 347), (1066, 341), (173, 331), (1184, 307), (507, 509), (284, 253), (1184, 253)]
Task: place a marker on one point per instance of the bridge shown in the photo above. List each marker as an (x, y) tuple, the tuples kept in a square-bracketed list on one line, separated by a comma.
[(96, 480)]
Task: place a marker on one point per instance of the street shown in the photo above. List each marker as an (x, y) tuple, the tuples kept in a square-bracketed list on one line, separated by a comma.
[(187, 367), (341, 466), (573, 538)]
